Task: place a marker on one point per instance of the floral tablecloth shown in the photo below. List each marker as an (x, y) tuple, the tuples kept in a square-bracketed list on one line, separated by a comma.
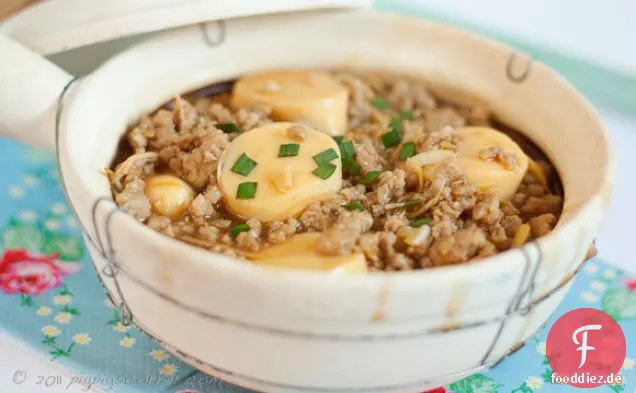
[(52, 301)]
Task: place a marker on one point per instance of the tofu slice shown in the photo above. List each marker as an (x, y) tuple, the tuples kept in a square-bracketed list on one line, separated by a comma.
[(313, 98), (284, 185)]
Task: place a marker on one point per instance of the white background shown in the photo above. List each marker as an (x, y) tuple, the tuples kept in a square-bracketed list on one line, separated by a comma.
[(600, 31)]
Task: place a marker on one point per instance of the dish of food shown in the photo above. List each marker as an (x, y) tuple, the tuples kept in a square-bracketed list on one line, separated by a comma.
[(335, 171)]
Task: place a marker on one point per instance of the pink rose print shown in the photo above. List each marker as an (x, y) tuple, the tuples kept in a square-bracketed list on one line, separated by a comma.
[(32, 274), (631, 285), (437, 390)]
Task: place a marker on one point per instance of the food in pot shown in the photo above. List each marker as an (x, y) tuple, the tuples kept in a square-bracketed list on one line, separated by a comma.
[(335, 171)]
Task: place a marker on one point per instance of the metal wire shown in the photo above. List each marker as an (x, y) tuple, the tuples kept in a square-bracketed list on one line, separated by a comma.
[(510, 73), (195, 361), (222, 35), (338, 337)]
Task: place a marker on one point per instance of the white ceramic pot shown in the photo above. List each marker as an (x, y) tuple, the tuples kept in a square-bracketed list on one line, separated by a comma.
[(300, 331)]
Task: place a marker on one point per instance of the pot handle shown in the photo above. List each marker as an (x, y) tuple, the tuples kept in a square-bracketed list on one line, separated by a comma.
[(30, 87)]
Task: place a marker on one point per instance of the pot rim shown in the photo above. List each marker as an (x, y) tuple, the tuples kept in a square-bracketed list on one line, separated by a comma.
[(489, 266)]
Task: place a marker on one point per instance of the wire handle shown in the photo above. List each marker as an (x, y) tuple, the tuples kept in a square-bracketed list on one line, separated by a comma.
[(525, 73)]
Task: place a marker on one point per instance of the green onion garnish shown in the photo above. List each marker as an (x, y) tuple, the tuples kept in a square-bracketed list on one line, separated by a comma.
[(391, 139), (406, 115), (354, 206), (347, 149), (228, 128), (236, 229), (246, 190), (394, 136), (324, 170), (408, 150), (351, 166), (381, 103), (370, 177), (244, 165), (325, 156), (289, 150), (408, 204), (396, 124), (421, 222)]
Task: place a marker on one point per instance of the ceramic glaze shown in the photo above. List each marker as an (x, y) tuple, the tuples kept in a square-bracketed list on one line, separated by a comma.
[(278, 330)]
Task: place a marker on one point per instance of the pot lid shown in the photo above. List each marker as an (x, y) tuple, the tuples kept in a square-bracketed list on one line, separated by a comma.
[(55, 26)]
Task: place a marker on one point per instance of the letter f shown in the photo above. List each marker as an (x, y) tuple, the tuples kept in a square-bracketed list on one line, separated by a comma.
[(584, 347)]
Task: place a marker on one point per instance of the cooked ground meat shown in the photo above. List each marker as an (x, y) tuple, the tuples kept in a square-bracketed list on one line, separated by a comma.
[(297, 133), (195, 157), (133, 200), (340, 238), (401, 220), (541, 205), (542, 224), (497, 154), (161, 224), (368, 158), (279, 231), (460, 247)]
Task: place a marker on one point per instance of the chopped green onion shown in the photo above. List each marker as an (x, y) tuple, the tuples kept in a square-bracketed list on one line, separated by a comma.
[(351, 166), (289, 150), (408, 204), (406, 115), (354, 206), (381, 103), (421, 222), (370, 177), (347, 149), (246, 190), (395, 124), (408, 150), (325, 156), (228, 128), (324, 170), (236, 229), (244, 165), (391, 139), (394, 136)]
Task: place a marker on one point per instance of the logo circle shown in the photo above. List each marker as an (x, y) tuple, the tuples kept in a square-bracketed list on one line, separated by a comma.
[(585, 348)]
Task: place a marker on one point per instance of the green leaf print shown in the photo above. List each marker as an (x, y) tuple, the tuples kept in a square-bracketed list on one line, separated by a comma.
[(69, 248), (524, 388), (71, 310), (476, 383), (616, 388), (48, 340), (26, 300), (37, 155), (49, 176), (64, 291), (619, 303), (59, 352), (116, 319), (19, 235), (547, 375)]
